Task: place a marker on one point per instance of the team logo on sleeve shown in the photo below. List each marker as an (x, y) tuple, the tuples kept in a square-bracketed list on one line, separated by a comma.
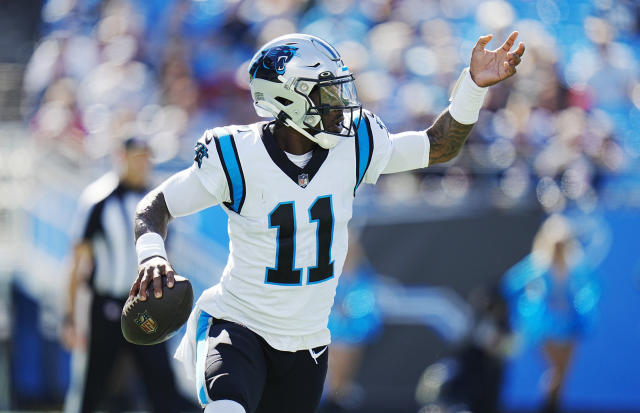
[(146, 323), (201, 152)]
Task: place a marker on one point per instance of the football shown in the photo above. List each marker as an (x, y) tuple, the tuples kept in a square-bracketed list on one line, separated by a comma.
[(157, 319)]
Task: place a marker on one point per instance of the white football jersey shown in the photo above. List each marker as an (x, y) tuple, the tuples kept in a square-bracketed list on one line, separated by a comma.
[(287, 226)]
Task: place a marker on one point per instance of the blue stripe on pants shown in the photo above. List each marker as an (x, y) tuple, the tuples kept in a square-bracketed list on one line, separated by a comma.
[(202, 338)]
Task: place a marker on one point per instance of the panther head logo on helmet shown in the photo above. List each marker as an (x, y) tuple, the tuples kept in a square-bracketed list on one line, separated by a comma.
[(273, 60)]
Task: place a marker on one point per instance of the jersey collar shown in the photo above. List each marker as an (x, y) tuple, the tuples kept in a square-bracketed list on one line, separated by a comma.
[(301, 176)]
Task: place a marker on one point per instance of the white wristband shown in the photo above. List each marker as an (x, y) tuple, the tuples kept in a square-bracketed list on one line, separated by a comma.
[(148, 245), (466, 99)]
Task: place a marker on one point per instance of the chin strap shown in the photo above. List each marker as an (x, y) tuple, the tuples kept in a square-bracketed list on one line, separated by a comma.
[(325, 140)]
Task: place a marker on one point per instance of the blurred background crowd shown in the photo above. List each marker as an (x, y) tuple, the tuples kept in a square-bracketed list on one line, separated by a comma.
[(77, 77)]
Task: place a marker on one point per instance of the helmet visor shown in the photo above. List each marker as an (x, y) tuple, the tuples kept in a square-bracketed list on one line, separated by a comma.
[(339, 94), (333, 105)]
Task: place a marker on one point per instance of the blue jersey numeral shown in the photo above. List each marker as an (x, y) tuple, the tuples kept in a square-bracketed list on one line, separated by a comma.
[(283, 218)]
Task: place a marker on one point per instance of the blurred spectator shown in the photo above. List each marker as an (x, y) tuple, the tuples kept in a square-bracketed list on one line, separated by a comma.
[(355, 321), (553, 296), (104, 262), (56, 124), (552, 134)]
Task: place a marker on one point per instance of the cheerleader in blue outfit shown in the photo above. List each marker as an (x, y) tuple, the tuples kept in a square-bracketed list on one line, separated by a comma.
[(553, 295)]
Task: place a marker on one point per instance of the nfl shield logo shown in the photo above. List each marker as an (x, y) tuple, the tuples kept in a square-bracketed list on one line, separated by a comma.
[(146, 323), (303, 180)]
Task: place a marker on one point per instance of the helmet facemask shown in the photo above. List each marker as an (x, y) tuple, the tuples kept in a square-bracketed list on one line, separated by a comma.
[(333, 105)]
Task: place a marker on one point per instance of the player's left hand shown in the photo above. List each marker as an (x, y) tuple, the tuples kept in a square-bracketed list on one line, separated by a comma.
[(490, 67)]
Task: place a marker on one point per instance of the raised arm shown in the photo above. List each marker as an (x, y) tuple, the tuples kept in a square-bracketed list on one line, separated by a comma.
[(451, 129), (446, 137)]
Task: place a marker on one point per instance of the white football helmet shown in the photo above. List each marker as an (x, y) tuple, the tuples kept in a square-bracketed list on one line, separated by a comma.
[(285, 72)]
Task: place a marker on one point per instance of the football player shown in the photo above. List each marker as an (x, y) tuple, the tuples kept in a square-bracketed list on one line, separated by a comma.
[(257, 340)]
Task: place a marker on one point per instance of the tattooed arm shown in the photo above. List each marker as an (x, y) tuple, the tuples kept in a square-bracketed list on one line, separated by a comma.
[(182, 194), (152, 215), (486, 68), (446, 137)]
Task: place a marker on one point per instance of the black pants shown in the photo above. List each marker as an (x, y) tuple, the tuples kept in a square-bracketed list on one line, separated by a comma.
[(106, 344), (262, 379)]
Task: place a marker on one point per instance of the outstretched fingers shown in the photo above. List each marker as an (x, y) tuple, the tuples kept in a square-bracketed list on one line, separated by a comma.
[(509, 42), (520, 50), (482, 42), (513, 58)]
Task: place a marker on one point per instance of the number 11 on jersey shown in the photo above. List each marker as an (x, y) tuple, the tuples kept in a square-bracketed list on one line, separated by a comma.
[(283, 218)]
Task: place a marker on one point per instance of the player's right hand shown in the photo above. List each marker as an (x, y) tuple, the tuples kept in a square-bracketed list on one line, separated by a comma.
[(152, 271)]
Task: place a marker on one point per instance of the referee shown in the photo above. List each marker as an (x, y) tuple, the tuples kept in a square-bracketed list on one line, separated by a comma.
[(105, 264)]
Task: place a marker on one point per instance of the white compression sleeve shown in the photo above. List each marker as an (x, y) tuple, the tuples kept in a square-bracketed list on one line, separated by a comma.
[(149, 245), (410, 150), (185, 194), (466, 99), (224, 406)]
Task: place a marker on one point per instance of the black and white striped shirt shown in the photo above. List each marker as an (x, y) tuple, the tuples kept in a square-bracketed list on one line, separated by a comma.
[(106, 222)]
